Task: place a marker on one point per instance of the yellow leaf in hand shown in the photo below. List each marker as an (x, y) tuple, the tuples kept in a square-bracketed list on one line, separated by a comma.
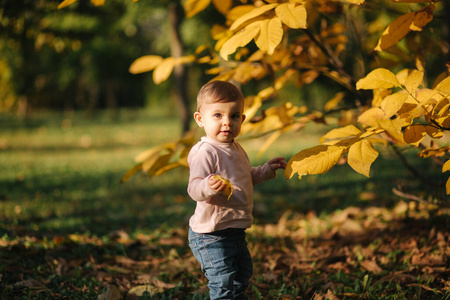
[(229, 189)]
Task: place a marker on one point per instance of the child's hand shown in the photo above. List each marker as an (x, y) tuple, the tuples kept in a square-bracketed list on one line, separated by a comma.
[(277, 163), (216, 185)]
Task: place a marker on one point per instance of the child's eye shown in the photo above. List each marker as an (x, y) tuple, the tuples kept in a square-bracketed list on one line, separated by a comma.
[(236, 117), (217, 115)]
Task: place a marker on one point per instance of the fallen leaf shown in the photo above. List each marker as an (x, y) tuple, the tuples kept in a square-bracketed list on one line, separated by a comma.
[(371, 266), (112, 293)]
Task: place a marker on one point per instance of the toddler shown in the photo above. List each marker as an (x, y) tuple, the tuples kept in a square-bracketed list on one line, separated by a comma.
[(217, 228)]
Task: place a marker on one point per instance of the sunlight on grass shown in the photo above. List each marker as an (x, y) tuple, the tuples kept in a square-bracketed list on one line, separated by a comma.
[(62, 206)]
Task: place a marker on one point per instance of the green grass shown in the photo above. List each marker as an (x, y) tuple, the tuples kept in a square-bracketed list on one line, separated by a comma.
[(61, 200)]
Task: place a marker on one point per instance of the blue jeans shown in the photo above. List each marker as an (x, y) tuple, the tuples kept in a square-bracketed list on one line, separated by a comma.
[(225, 261)]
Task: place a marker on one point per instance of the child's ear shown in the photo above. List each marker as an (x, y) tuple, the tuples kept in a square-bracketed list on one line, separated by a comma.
[(198, 119), (243, 118)]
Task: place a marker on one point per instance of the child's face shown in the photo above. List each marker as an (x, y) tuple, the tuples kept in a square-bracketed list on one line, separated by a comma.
[(221, 121)]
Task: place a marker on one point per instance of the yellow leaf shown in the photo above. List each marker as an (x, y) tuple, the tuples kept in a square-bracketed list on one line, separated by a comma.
[(378, 79), (378, 96), (316, 160), (270, 35), (377, 141), (371, 116), (166, 168), (266, 93), (391, 104), (228, 191), (396, 31), (222, 5), (291, 14), (163, 70), (434, 132), (361, 155), (98, 2), (193, 7), (357, 2), (446, 166), (145, 64), (143, 156), (414, 134), (66, 3), (158, 163), (411, 1), (437, 152), (251, 111), (403, 75), (243, 73), (340, 133), (422, 18), (401, 26), (333, 103), (238, 11), (413, 80), (393, 127), (131, 172), (371, 132), (256, 12), (240, 39), (281, 81), (444, 86), (439, 78)]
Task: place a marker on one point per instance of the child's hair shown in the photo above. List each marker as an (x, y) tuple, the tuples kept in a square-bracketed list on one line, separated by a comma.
[(218, 91)]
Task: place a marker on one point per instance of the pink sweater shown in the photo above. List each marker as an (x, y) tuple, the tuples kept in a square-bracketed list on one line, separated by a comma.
[(229, 160)]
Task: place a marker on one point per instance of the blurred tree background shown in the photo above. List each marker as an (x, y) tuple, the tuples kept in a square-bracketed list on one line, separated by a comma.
[(78, 58)]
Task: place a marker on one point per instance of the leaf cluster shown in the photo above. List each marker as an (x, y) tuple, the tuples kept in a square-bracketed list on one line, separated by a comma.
[(404, 117)]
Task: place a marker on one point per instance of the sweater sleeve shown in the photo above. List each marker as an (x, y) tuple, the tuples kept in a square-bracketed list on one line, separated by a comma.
[(261, 174), (201, 167)]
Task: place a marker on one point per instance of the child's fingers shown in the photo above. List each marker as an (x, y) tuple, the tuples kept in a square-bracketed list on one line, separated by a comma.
[(276, 160), (216, 185), (277, 163)]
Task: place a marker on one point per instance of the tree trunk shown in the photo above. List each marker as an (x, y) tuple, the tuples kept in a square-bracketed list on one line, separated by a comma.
[(175, 13)]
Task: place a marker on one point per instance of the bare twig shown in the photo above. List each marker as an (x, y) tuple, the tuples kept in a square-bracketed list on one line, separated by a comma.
[(409, 196)]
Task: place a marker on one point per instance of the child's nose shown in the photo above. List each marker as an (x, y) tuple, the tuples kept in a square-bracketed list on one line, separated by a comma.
[(226, 121)]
